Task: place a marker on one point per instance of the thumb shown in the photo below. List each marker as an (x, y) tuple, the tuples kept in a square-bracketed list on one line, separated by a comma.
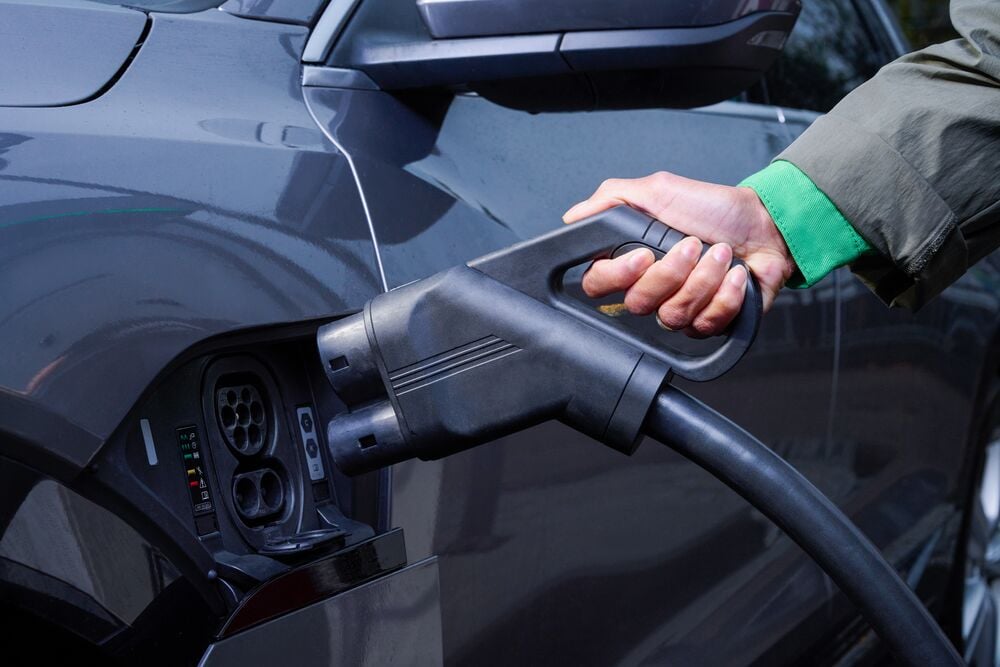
[(590, 207), (643, 194)]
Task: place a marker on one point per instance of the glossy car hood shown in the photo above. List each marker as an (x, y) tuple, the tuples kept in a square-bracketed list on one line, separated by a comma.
[(58, 52)]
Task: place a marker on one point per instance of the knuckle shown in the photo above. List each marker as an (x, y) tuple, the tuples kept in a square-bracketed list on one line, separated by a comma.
[(660, 178), (671, 272), (684, 301), (704, 327), (608, 184), (673, 317), (707, 324), (705, 281), (639, 303)]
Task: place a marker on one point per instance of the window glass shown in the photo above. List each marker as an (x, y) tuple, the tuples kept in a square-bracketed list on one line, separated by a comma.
[(829, 53), (924, 22)]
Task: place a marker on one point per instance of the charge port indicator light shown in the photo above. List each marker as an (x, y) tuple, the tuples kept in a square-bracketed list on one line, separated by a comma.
[(201, 497)]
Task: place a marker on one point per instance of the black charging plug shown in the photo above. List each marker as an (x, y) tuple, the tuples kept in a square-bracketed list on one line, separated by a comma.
[(489, 348)]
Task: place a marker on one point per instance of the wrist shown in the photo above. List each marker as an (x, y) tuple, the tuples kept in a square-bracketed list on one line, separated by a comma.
[(816, 234), (765, 235)]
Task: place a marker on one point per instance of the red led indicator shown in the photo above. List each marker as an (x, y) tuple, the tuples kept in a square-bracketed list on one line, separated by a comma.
[(193, 485)]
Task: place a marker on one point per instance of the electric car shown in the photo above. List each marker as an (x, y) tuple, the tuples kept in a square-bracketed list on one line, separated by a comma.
[(189, 189)]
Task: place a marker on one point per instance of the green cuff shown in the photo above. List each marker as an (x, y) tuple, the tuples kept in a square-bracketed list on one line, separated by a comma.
[(818, 236)]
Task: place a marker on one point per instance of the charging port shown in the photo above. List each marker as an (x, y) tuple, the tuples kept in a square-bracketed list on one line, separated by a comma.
[(242, 418), (259, 495)]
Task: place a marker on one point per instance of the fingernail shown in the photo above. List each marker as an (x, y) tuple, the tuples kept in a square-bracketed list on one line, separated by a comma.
[(690, 247), (721, 253), (738, 277), (638, 259), (662, 325)]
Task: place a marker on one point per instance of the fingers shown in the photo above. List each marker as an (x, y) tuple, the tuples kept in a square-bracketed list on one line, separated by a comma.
[(724, 306), (664, 278), (700, 296), (703, 298), (680, 310), (608, 276)]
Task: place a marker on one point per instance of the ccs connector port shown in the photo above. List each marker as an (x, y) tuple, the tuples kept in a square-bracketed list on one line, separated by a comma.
[(258, 495), (242, 418)]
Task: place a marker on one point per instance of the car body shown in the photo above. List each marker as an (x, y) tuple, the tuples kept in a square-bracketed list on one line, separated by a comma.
[(178, 228)]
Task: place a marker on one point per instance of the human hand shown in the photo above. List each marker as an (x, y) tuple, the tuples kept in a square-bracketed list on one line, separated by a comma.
[(702, 296)]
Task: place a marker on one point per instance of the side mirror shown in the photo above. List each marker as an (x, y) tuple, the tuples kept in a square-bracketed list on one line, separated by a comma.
[(546, 55)]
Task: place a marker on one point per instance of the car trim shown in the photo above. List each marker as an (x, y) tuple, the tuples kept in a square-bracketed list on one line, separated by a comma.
[(327, 28), (337, 77)]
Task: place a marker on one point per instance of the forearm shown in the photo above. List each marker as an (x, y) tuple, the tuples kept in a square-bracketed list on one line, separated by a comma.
[(817, 234), (911, 159)]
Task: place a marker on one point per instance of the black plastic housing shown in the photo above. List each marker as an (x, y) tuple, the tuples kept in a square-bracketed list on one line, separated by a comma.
[(472, 18), (483, 350), (467, 360), (569, 56)]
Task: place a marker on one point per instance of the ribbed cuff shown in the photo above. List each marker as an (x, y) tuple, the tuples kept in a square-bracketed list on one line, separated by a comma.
[(818, 236)]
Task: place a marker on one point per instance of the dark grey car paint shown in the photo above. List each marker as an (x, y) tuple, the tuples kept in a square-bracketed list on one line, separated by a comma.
[(62, 53), (196, 196), (225, 206), (302, 12)]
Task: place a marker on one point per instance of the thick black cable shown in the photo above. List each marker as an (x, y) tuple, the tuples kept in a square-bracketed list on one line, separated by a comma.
[(801, 510)]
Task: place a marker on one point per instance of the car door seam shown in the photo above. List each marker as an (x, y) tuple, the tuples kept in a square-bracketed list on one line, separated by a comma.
[(361, 195)]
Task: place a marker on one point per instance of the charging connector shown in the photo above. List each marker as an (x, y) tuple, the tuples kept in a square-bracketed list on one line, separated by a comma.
[(462, 359), (487, 349)]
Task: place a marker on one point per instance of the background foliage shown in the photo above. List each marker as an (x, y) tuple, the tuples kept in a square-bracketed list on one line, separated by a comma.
[(924, 21)]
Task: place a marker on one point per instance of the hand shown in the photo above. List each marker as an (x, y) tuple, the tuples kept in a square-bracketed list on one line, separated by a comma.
[(699, 297)]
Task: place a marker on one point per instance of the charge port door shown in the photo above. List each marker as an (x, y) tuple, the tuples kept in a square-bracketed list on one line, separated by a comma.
[(393, 619)]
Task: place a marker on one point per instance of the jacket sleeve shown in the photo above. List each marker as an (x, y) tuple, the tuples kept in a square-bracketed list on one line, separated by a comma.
[(912, 159)]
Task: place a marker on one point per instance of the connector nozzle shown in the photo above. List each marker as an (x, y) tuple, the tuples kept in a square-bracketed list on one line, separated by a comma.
[(367, 439), (349, 361)]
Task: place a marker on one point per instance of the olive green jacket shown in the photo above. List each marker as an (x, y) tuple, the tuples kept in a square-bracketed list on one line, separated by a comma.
[(912, 160)]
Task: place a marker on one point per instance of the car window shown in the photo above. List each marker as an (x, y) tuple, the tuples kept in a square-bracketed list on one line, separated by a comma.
[(924, 23), (830, 52)]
